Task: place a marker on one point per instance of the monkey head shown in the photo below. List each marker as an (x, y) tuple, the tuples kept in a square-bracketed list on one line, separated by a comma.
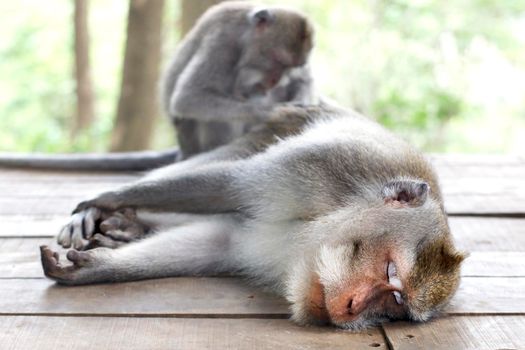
[(280, 39), (388, 255)]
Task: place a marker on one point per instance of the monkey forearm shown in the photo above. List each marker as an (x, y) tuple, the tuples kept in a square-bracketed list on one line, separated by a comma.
[(208, 192), (209, 107)]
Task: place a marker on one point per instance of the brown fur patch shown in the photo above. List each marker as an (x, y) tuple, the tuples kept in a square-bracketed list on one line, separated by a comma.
[(435, 276)]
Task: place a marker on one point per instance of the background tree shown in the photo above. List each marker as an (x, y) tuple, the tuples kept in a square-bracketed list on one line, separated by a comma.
[(416, 66), (191, 10), (84, 87), (138, 102)]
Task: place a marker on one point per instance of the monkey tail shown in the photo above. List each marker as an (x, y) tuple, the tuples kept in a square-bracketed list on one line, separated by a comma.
[(130, 161)]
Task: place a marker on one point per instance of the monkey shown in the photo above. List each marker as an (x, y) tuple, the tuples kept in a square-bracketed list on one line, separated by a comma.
[(233, 67), (342, 218), (118, 227), (238, 62)]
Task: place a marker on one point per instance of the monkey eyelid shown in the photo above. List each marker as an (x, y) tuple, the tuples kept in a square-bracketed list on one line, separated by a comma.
[(394, 280), (391, 270), (398, 297)]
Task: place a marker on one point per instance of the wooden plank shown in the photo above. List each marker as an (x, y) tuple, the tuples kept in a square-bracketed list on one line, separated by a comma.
[(35, 225), (494, 264), (20, 257), (459, 332), (183, 296), (65, 189), (489, 295), (213, 297), (478, 165), (43, 206), (51, 176), (488, 234), (30, 333), (482, 184)]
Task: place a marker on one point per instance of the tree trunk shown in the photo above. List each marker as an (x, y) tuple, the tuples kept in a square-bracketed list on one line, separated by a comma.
[(192, 10), (138, 103), (84, 89)]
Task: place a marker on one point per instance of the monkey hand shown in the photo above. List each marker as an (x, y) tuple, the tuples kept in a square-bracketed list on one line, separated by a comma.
[(93, 227), (80, 229), (117, 229)]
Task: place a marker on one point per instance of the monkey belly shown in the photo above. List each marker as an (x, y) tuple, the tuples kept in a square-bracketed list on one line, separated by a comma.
[(199, 136)]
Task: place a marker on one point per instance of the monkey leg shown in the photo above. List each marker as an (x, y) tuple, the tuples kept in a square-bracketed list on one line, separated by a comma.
[(198, 248)]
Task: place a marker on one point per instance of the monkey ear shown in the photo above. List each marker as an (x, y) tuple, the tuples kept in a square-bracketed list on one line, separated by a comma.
[(261, 17), (405, 193)]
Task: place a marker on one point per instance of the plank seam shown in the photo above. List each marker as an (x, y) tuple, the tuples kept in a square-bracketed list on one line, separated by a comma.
[(388, 342)]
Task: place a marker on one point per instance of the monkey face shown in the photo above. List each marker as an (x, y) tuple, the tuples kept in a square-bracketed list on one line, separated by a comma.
[(388, 261), (283, 36)]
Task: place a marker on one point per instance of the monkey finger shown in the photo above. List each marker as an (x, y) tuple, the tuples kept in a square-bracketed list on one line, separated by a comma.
[(112, 223), (90, 217), (64, 236), (99, 240), (120, 235), (78, 222)]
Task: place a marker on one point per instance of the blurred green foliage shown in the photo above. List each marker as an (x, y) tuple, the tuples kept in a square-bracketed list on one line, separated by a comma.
[(447, 75)]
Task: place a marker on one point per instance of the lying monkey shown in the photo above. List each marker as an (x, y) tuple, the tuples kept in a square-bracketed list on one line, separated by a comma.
[(342, 218)]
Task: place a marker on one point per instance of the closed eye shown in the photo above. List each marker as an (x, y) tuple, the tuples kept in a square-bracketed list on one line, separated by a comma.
[(394, 281), (398, 297)]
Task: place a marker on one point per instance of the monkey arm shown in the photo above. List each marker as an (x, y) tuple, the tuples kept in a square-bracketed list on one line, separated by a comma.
[(298, 89), (207, 190), (302, 92), (209, 105)]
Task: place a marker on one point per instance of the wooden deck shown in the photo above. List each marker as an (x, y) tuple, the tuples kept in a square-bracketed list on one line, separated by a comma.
[(485, 197)]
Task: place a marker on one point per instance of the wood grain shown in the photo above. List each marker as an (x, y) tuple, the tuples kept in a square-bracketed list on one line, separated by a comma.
[(482, 184), (210, 297), (35, 225), (488, 234), (78, 333), (20, 257), (494, 264), (216, 297), (459, 332), (489, 295)]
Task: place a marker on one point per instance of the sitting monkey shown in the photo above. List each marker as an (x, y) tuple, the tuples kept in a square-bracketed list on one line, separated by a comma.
[(237, 63), (340, 216)]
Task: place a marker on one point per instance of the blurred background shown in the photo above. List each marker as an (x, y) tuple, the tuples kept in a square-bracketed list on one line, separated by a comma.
[(83, 75)]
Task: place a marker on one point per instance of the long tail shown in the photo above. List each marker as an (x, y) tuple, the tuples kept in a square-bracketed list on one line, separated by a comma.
[(131, 161)]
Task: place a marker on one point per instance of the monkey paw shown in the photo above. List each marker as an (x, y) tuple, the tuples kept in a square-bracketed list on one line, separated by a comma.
[(63, 274), (119, 228), (80, 229), (93, 228)]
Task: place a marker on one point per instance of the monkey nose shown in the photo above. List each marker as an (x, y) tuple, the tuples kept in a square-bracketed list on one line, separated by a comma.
[(349, 307)]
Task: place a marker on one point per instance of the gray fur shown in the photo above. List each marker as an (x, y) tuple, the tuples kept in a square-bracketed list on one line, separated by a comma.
[(318, 201), (217, 86)]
